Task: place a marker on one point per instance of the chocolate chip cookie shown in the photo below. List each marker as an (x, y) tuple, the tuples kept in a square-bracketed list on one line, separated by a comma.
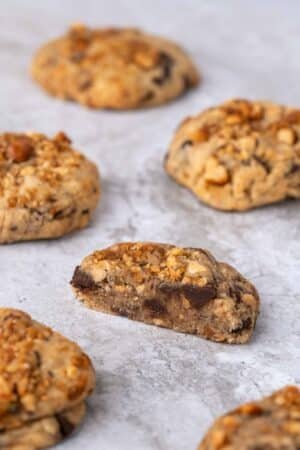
[(118, 68), (238, 155), (47, 189), (44, 381), (272, 423), (185, 289)]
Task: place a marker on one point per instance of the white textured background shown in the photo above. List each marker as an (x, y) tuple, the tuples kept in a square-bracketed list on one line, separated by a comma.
[(159, 390)]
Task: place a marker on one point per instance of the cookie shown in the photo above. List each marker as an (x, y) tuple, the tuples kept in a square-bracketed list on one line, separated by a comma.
[(44, 381), (238, 155), (269, 424), (47, 189), (43, 433), (185, 289), (116, 68)]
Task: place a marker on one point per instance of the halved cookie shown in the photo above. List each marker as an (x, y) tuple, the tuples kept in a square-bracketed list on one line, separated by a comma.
[(268, 424), (44, 379), (118, 68), (185, 289), (238, 155), (47, 189)]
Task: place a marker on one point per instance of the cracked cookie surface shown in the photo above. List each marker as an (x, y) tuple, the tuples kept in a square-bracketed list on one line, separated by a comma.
[(44, 379), (184, 289), (272, 423), (238, 155), (118, 68), (47, 189)]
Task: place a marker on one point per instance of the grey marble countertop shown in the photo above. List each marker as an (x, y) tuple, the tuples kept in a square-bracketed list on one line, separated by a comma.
[(159, 390)]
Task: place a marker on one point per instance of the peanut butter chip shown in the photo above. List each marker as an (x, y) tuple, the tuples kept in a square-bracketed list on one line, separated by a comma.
[(286, 135), (215, 172)]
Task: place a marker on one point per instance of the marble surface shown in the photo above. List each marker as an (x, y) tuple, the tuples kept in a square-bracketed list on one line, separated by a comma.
[(159, 390)]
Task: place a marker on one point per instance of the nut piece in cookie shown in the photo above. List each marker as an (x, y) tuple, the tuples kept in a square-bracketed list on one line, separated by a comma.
[(269, 424), (47, 189), (44, 381), (118, 68), (185, 289), (238, 155)]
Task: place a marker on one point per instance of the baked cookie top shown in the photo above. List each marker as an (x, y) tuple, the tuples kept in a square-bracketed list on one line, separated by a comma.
[(41, 372), (45, 174), (272, 423), (117, 68), (239, 155), (139, 261)]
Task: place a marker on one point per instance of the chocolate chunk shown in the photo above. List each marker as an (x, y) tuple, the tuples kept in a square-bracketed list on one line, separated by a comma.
[(166, 63), (38, 358), (155, 306), (245, 325), (198, 296), (65, 426), (186, 143), (263, 163), (82, 280), (64, 213), (147, 97), (294, 168)]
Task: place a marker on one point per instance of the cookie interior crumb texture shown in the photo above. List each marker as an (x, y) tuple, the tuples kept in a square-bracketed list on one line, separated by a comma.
[(44, 381), (185, 289), (269, 424), (239, 155), (47, 189), (118, 68)]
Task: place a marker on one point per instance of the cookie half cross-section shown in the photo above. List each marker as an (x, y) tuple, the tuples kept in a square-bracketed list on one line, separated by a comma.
[(185, 289)]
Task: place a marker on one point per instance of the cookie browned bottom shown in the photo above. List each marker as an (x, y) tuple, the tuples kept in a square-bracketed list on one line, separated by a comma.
[(47, 189), (44, 432), (180, 288), (238, 155), (272, 423), (118, 68)]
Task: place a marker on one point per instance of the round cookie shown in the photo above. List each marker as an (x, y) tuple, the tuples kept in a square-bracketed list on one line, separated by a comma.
[(47, 189), (238, 155), (271, 423), (118, 68), (42, 374), (45, 432)]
